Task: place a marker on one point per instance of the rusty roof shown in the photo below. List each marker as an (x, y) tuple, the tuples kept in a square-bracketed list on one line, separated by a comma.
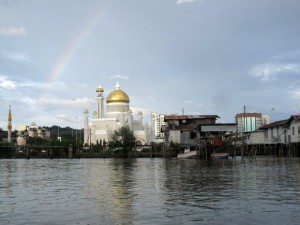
[(294, 117), (190, 117), (254, 114), (275, 124)]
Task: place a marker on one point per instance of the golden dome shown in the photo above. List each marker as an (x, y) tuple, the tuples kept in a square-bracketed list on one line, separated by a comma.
[(117, 95), (100, 89)]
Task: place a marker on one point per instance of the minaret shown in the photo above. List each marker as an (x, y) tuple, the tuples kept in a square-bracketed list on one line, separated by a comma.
[(100, 99), (86, 127), (9, 125), (140, 118)]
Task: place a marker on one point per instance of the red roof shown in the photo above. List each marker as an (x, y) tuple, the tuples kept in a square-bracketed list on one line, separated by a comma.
[(240, 115)]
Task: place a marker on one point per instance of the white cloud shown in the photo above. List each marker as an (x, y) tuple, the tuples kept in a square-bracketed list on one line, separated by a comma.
[(7, 84), (15, 56), (117, 76), (295, 93), (33, 84), (150, 98), (270, 71), (189, 102), (146, 112), (12, 31), (65, 102), (185, 1)]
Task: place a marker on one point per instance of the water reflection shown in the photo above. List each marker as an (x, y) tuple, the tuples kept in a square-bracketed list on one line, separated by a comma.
[(150, 191), (109, 183)]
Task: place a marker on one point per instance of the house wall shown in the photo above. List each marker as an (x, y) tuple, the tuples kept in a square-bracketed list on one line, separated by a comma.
[(187, 138), (256, 138), (295, 131), (174, 136)]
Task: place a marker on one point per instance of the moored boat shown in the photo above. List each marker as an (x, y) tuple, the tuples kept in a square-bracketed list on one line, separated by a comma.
[(187, 155), (220, 155)]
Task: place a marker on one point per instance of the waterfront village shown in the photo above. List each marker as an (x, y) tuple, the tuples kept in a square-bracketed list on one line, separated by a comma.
[(190, 136)]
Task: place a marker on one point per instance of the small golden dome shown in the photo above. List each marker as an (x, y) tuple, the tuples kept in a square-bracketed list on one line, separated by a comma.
[(130, 111), (117, 95), (100, 89), (85, 111)]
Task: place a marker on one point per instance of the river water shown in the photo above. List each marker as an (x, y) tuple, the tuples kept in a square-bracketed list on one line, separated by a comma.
[(150, 191)]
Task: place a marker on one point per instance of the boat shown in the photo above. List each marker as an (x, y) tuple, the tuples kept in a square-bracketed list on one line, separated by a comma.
[(187, 154), (220, 155)]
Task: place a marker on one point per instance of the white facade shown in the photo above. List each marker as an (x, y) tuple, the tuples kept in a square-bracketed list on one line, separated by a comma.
[(256, 137), (277, 132), (295, 130), (277, 135), (157, 121), (118, 114), (32, 131)]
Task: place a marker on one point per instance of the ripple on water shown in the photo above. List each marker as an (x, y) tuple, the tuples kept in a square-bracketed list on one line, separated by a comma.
[(150, 191)]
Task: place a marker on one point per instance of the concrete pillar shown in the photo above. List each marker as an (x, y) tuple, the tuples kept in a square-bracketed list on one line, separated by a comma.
[(51, 153), (70, 151), (78, 153), (27, 153)]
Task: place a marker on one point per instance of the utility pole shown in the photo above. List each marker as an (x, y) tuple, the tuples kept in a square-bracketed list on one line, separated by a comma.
[(244, 128), (76, 129)]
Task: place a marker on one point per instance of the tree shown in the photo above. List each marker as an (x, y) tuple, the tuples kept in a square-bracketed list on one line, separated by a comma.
[(123, 138)]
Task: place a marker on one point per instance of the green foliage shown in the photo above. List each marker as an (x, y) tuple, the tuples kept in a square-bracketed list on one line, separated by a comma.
[(157, 147), (123, 139), (36, 141), (98, 147), (174, 147)]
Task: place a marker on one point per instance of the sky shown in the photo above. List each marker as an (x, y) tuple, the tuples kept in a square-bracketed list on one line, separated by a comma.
[(197, 57)]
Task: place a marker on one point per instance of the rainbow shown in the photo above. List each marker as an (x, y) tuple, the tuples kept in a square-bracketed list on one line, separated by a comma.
[(69, 52)]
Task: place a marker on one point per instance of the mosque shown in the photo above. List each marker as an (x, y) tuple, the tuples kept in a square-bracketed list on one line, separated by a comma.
[(102, 125)]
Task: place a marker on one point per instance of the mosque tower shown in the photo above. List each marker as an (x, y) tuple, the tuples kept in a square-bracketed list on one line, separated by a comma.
[(100, 98), (86, 127), (9, 125)]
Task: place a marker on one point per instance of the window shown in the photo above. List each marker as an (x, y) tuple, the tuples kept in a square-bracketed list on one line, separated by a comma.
[(298, 129), (193, 135), (272, 132), (293, 130)]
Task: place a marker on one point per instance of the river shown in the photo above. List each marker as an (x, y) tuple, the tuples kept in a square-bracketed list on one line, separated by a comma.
[(150, 191)]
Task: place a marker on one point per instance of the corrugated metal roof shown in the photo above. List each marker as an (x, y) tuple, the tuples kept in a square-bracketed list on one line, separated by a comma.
[(294, 117), (190, 117), (275, 124)]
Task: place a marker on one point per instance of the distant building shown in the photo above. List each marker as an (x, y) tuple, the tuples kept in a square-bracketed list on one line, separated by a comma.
[(278, 132), (248, 122), (183, 129), (272, 133), (294, 122), (118, 114), (32, 130), (157, 121)]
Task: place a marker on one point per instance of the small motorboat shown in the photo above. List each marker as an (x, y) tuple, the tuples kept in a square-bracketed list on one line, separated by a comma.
[(220, 155)]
